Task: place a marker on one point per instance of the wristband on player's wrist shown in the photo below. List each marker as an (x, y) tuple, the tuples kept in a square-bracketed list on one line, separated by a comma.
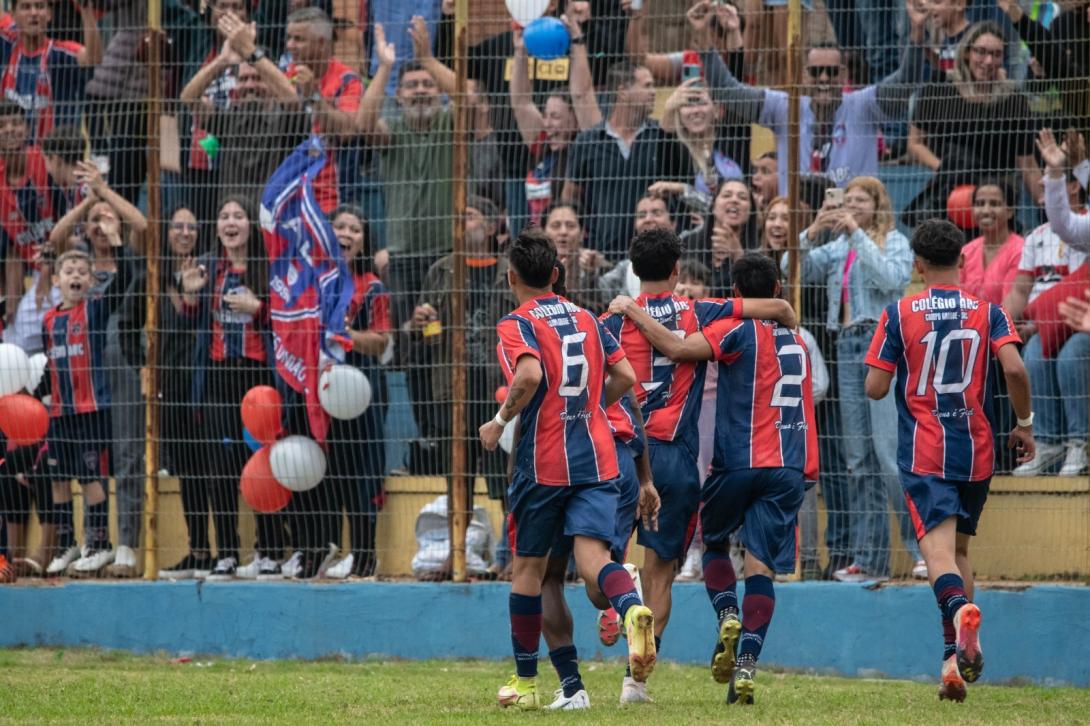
[(1025, 423), (499, 420)]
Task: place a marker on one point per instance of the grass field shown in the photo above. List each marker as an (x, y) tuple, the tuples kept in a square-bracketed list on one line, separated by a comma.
[(94, 687)]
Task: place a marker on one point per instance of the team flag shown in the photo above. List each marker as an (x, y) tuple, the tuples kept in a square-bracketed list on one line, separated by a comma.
[(310, 287)]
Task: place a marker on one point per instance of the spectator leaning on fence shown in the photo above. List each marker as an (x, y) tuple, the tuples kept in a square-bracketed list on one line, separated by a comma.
[(1056, 364), (838, 132), (865, 267)]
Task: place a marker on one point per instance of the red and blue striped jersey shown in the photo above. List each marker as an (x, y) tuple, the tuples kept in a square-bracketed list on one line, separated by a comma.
[(764, 399), (46, 83), (939, 343), (626, 429), (234, 334), (565, 437), (669, 393), (75, 342)]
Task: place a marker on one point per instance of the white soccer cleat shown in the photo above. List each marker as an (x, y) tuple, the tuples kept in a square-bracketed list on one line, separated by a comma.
[(59, 564), (580, 700), (632, 691)]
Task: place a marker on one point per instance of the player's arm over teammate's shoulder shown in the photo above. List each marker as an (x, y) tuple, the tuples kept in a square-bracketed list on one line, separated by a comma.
[(696, 347), (620, 374)]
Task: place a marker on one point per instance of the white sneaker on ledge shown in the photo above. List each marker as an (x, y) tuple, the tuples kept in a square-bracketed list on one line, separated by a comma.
[(252, 569), (91, 564), (291, 566), (342, 569), (919, 570), (1047, 455), (1075, 461), (328, 560), (124, 565), (59, 564)]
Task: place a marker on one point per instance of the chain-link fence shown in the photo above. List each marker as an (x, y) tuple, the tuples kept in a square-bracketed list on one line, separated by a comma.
[(203, 207)]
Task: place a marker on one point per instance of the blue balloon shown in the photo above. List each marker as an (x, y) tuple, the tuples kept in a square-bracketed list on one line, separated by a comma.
[(546, 38), (253, 443)]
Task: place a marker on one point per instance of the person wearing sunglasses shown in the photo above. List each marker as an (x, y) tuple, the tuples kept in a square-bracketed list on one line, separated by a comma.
[(838, 132)]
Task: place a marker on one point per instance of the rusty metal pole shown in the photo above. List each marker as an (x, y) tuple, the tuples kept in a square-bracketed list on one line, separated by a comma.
[(152, 250), (460, 483)]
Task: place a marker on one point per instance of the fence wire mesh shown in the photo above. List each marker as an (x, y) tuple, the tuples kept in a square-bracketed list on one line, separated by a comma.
[(601, 120)]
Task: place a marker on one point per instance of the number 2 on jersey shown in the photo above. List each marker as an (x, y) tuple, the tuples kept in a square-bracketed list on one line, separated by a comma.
[(964, 376), (779, 400)]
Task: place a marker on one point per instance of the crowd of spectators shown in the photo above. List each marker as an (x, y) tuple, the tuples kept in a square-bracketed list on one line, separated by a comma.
[(611, 139)]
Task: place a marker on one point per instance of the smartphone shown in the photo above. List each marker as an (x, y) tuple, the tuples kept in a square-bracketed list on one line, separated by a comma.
[(834, 197)]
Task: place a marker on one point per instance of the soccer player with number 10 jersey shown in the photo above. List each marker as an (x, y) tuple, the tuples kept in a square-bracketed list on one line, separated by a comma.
[(564, 369), (939, 343)]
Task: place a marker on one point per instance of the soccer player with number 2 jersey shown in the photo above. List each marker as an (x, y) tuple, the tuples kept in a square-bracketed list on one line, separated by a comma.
[(765, 455), (670, 396), (564, 369), (939, 343)]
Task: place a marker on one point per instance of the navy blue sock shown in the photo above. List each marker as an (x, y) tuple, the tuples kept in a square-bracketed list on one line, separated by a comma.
[(566, 662), (616, 584), (949, 639), (98, 525), (950, 594), (757, 606), (720, 582), (66, 532), (525, 632)]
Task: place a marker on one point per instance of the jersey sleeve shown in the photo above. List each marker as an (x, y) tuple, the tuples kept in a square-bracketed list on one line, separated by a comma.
[(612, 323), (517, 339), (378, 309), (724, 337), (610, 346), (1002, 331), (712, 309), (885, 347)]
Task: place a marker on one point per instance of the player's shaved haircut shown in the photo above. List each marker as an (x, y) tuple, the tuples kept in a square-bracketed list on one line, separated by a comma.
[(533, 258), (654, 254), (938, 242), (756, 275)]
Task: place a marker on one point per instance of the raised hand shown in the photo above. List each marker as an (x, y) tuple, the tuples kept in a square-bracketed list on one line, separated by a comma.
[(194, 276), (87, 173), (1076, 312), (418, 31), (384, 51), (700, 16), (727, 16), (1053, 156)]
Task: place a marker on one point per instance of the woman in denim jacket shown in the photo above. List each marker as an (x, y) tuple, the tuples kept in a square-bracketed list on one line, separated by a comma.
[(864, 264)]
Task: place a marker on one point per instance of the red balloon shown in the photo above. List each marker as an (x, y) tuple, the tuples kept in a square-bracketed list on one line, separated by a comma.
[(259, 488), (501, 394), (261, 413), (959, 206), (23, 419)]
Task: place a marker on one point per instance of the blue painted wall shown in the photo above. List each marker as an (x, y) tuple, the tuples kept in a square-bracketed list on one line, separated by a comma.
[(827, 627)]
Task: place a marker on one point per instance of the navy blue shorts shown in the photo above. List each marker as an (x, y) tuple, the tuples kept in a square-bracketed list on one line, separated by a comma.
[(764, 503), (628, 500), (541, 515), (79, 448), (932, 499), (677, 479)]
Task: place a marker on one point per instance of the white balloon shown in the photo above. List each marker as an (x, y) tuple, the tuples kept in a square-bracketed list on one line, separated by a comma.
[(38, 363), (297, 463), (525, 12), (344, 392), (507, 438), (14, 369)]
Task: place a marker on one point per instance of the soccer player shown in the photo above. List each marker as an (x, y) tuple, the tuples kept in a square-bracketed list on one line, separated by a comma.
[(79, 427), (564, 369), (765, 454), (939, 342), (670, 394), (637, 500)]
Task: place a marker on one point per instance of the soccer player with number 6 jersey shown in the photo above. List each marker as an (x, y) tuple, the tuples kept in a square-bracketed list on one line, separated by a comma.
[(940, 343), (765, 455), (564, 370)]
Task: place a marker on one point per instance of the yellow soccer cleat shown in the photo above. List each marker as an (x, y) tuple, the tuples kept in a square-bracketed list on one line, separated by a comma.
[(520, 693), (639, 628), (730, 629)]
